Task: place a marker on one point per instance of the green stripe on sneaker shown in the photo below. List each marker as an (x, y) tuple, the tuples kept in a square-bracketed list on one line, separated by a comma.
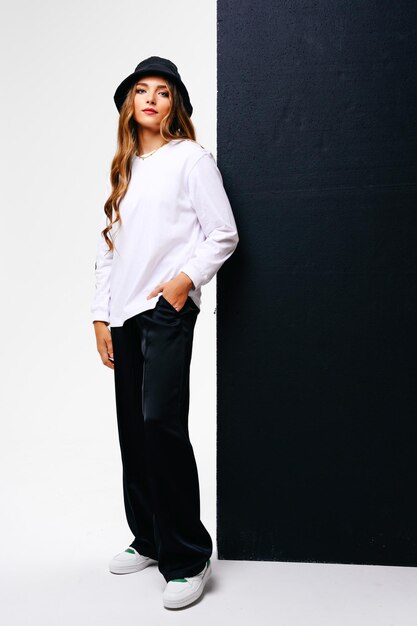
[(130, 550), (184, 580)]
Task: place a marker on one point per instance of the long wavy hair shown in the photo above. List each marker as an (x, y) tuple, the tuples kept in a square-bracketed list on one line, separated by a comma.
[(175, 125)]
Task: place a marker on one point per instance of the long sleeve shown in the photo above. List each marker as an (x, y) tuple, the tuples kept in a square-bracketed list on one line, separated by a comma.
[(214, 212), (100, 306)]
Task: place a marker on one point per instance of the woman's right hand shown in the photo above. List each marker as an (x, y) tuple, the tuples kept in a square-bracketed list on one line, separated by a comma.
[(104, 343)]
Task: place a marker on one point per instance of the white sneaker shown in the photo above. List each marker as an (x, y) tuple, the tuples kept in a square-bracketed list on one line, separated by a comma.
[(182, 591), (129, 561)]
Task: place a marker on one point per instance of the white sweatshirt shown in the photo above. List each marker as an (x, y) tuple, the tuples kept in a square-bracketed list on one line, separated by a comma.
[(176, 217)]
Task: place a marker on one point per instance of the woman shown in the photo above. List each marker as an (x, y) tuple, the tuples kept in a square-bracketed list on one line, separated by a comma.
[(167, 228)]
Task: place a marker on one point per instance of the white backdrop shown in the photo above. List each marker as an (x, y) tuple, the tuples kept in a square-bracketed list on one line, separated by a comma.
[(62, 506)]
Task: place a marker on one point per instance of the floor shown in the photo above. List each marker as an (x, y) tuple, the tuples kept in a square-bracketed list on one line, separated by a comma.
[(70, 587)]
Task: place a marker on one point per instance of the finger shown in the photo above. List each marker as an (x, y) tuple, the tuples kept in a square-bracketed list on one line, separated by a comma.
[(105, 349), (106, 360), (155, 291), (104, 355)]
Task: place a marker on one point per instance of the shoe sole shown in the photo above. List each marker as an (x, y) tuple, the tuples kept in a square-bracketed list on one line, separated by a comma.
[(130, 569), (171, 604)]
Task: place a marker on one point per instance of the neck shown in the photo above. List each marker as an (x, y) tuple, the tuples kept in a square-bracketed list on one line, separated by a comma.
[(149, 141)]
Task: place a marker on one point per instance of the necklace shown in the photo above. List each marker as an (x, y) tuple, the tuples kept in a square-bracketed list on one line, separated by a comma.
[(148, 154)]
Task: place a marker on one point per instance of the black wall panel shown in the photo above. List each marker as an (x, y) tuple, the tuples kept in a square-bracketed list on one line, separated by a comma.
[(317, 308)]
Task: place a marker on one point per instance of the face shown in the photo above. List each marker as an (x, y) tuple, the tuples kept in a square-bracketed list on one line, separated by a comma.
[(152, 92)]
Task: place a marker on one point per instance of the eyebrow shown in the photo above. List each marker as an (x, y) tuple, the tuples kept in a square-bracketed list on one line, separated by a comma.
[(158, 86)]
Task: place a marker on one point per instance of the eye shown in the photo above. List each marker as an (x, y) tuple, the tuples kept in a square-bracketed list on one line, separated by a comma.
[(165, 93)]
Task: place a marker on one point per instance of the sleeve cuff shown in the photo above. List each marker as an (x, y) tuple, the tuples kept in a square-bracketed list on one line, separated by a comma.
[(196, 276), (100, 315)]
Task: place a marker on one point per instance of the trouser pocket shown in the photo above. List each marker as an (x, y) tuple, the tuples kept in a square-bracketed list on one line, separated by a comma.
[(188, 304)]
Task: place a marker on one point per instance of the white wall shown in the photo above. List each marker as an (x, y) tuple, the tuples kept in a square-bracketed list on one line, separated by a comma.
[(61, 468)]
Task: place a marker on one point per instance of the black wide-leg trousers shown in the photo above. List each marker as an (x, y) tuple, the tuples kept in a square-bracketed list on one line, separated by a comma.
[(152, 356)]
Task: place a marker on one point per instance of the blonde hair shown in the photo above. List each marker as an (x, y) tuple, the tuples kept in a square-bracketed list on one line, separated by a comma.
[(175, 125)]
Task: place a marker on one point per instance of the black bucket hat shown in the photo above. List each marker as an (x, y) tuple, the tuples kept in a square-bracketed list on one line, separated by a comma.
[(154, 65)]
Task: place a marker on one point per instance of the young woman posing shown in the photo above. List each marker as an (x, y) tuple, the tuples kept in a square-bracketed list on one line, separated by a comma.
[(167, 229)]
